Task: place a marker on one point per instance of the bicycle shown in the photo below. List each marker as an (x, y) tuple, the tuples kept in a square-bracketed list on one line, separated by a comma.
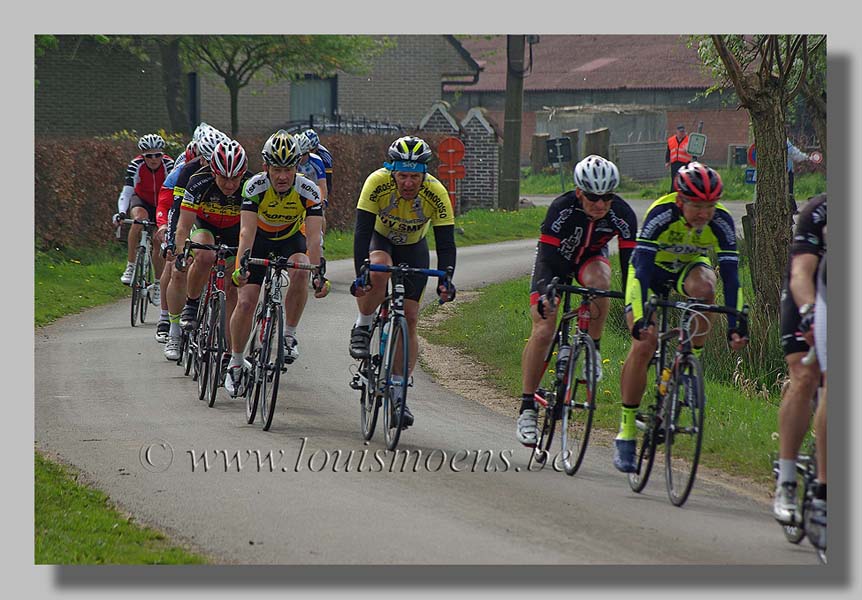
[(264, 351), (389, 354), (676, 416), (806, 475), (568, 398), (145, 277), (210, 343)]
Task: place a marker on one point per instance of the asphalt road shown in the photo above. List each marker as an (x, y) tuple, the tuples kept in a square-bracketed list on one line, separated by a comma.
[(109, 403)]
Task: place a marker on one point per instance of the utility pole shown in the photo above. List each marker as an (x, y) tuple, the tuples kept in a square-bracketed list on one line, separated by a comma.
[(510, 187)]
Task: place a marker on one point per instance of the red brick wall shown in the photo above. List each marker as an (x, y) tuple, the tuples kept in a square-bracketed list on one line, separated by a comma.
[(721, 127)]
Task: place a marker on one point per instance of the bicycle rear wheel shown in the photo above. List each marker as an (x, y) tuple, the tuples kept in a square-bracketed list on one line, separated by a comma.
[(218, 346), (253, 357), (137, 283), (398, 343), (273, 361), (369, 400), (646, 449), (684, 418), (578, 400), (147, 280)]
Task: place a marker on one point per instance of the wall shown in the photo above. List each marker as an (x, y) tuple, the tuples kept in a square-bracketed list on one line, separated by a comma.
[(721, 127)]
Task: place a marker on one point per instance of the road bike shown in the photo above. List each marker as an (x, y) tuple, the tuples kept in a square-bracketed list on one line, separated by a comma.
[(264, 351), (209, 342), (390, 355), (569, 396), (144, 278), (675, 417)]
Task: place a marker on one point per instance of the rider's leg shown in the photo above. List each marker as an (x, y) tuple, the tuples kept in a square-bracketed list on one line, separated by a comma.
[(700, 282), (596, 273)]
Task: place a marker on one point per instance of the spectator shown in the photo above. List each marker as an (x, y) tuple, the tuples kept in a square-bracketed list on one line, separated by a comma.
[(677, 154)]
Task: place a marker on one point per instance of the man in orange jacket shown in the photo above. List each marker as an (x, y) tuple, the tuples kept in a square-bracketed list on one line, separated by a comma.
[(677, 153)]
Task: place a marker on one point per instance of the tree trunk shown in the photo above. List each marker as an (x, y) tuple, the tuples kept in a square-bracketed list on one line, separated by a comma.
[(233, 87), (773, 217), (511, 187), (172, 75)]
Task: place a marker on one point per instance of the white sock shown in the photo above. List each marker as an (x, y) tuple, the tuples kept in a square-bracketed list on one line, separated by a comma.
[(786, 470), (163, 316), (290, 331), (175, 331), (236, 359), (365, 320)]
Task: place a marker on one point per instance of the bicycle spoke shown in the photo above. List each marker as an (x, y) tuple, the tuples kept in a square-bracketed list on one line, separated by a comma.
[(397, 362), (369, 400), (578, 395), (273, 350)]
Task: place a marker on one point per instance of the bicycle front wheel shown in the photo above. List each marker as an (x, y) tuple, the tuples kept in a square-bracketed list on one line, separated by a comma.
[(146, 283), (273, 361), (253, 356), (578, 404), (202, 361), (217, 343), (138, 290), (397, 362), (646, 449), (369, 400), (684, 418)]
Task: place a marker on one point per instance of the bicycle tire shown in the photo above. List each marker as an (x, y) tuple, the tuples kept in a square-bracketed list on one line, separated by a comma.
[(186, 352), (202, 354), (370, 399), (578, 397), (147, 280), (253, 356), (398, 336), (646, 450), (273, 351), (684, 414), (136, 286), (217, 345)]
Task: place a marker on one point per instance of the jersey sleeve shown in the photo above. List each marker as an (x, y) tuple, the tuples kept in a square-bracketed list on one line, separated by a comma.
[(808, 236), (626, 223), (728, 260), (549, 231), (442, 213)]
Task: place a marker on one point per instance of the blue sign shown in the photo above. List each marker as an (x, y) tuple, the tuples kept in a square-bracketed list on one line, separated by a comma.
[(751, 176)]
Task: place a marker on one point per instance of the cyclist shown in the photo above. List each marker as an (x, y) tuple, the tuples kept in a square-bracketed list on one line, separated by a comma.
[(144, 177), (798, 299), (677, 234), (397, 205), (574, 242), (170, 199), (311, 166), (209, 214), (817, 523), (324, 154), (277, 202)]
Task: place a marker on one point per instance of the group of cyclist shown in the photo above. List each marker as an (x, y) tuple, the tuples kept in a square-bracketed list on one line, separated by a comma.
[(209, 196), (670, 253)]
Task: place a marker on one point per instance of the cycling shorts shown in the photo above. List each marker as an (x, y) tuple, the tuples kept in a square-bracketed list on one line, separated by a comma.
[(263, 247), (415, 255)]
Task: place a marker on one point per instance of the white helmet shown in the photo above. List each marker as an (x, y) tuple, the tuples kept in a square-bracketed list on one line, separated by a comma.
[(303, 144), (596, 175), (208, 141)]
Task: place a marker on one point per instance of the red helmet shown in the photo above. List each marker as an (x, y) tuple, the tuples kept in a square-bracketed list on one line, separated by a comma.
[(228, 159), (698, 183)]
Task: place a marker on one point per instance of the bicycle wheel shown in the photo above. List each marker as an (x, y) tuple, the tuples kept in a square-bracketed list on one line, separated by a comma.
[(253, 358), (137, 283), (217, 345), (146, 282), (647, 419), (398, 343), (186, 359), (369, 399), (552, 413), (578, 400), (202, 361), (684, 410), (273, 361)]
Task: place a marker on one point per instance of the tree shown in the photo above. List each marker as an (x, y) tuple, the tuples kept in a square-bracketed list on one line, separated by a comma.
[(509, 190), (237, 59), (767, 72)]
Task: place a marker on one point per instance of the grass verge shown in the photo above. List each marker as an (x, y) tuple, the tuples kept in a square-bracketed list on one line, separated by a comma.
[(76, 524)]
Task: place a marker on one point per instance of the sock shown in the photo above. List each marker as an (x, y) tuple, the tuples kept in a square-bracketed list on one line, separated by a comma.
[(365, 320), (163, 316), (175, 325), (598, 344), (130, 264), (290, 331), (628, 428), (236, 359), (819, 490), (527, 402), (786, 470), (698, 352)]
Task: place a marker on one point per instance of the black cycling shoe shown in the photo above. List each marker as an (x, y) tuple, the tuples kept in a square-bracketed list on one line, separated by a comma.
[(360, 342), (408, 416), (162, 331), (189, 317)]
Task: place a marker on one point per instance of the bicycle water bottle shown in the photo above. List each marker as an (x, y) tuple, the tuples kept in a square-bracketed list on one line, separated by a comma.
[(665, 377), (563, 361), (384, 334)]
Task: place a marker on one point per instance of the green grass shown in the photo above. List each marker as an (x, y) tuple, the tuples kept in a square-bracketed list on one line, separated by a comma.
[(735, 188), (76, 524), (741, 418)]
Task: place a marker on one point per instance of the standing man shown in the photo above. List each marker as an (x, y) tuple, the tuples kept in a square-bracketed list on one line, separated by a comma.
[(574, 243), (677, 155)]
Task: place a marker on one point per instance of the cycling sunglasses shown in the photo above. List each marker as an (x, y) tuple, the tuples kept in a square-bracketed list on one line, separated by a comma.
[(596, 197), (154, 155)]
